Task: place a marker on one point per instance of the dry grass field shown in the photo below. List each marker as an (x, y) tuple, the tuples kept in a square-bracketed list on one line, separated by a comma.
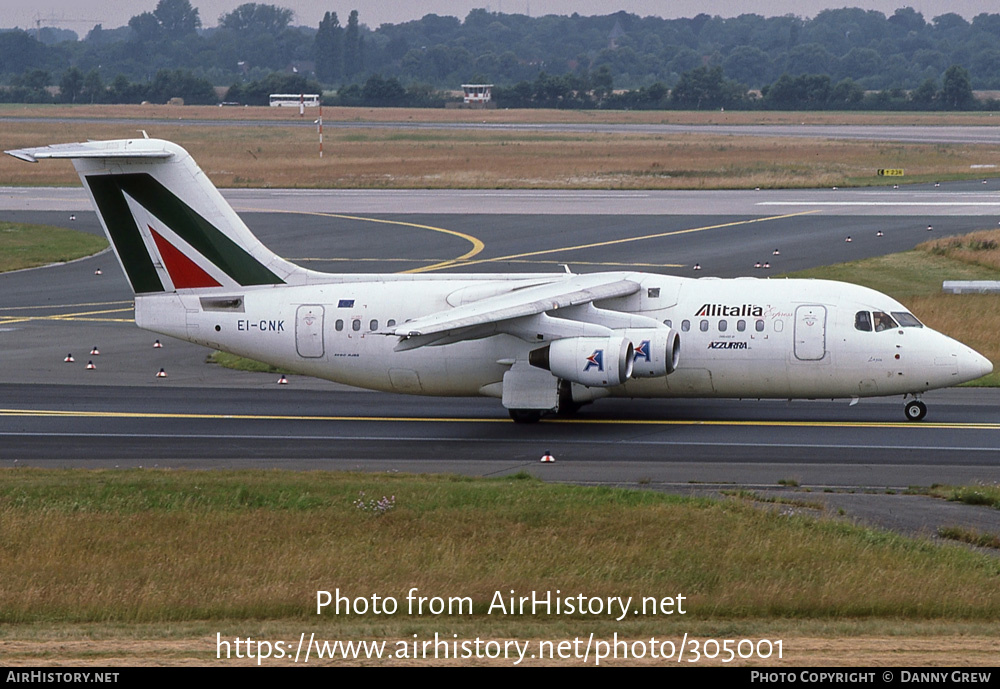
[(260, 155), (140, 566)]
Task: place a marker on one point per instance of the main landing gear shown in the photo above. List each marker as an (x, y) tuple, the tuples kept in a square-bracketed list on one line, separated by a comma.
[(525, 415), (567, 407), (915, 410)]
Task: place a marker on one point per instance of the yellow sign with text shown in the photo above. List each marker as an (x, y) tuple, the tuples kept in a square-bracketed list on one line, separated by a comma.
[(890, 173)]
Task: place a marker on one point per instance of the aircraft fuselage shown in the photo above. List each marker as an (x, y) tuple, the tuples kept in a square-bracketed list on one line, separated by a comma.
[(741, 337)]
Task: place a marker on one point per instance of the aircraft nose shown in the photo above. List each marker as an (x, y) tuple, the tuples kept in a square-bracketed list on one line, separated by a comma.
[(972, 365)]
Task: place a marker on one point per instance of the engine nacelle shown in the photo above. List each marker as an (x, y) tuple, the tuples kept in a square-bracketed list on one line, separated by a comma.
[(657, 351), (591, 361)]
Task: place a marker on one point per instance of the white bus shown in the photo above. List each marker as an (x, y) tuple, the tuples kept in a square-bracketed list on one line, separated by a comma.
[(293, 100)]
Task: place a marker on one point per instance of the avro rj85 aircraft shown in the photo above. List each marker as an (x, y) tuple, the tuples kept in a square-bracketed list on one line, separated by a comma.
[(539, 342)]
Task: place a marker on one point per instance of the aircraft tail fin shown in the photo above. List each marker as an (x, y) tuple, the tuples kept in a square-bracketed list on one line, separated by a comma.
[(170, 227)]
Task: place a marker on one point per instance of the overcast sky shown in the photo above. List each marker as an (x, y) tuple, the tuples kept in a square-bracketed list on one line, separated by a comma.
[(81, 15)]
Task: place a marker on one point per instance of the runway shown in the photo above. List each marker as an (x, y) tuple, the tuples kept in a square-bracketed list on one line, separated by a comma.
[(58, 414), (955, 134), (290, 425)]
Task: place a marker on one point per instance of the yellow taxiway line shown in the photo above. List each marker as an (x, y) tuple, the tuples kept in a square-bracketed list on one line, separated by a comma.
[(70, 413)]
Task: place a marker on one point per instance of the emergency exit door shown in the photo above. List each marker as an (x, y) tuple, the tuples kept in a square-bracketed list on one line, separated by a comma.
[(309, 331)]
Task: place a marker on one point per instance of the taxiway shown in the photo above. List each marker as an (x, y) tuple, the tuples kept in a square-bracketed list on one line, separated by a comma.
[(59, 414)]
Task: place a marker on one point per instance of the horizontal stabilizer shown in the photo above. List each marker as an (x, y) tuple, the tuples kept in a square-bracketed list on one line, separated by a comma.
[(126, 148)]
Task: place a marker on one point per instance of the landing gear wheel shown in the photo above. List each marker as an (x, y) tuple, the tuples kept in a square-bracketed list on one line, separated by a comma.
[(568, 409), (525, 415), (915, 410)]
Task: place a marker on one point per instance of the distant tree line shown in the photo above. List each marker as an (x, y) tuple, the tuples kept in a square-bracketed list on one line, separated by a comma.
[(77, 87), (375, 92), (703, 88), (707, 88), (843, 58)]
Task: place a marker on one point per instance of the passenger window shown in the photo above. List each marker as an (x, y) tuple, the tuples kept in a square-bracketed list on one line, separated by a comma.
[(863, 321), (668, 323), (373, 326), (723, 326), (685, 325), (391, 323), (704, 326), (779, 325), (741, 325), (340, 324), (759, 326), (356, 324), (882, 321)]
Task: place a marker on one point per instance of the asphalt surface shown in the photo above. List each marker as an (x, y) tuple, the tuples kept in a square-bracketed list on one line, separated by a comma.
[(902, 133), (857, 459)]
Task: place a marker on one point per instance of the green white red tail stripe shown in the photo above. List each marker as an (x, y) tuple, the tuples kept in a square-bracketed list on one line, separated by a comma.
[(184, 272)]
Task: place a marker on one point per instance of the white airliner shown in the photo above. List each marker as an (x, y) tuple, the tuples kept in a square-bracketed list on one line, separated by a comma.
[(539, 342)]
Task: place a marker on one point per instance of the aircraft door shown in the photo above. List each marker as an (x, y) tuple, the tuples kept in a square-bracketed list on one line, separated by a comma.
[(309, 331), (810, 332)]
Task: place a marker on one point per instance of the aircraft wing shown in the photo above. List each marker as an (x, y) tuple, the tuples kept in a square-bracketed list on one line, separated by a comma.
[(529, 301)]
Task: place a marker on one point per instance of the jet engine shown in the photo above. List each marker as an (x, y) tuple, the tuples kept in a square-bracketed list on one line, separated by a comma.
[(657, 351), (590, 361)]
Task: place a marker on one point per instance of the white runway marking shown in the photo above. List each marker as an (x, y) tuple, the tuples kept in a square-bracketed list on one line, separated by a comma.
[(908, 204)]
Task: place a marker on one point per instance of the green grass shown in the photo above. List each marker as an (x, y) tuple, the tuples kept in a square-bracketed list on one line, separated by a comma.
[(986, 494), (239, 363), (142, 546), (28, 246), (971, 536), (902, 276)]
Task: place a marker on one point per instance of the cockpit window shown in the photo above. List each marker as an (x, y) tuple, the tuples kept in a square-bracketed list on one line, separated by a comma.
[(863, 321), (906, 320), (883, 321)]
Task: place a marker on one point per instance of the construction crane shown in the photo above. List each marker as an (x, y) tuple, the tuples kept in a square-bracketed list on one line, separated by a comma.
[(52, 20)]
